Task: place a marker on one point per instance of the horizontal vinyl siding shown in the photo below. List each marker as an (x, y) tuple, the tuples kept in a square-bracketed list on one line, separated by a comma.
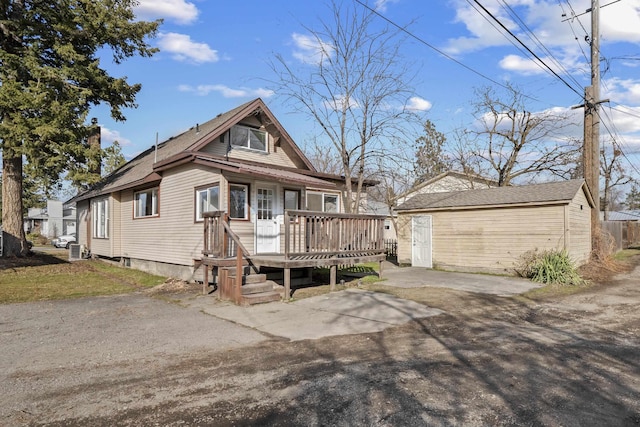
[(275, 156), (99, 246), (115, 229), (174, 236), (82, 212), (580, 226), (491, 239)]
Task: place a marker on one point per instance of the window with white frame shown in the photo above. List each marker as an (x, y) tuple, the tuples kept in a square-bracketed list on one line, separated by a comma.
[(207, 200), (238, 201), (246, 137), (100, 213), (323, 202), (145, 203)]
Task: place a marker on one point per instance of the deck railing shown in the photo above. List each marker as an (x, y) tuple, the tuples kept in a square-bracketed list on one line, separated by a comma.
[(320, 234), (219, 240)]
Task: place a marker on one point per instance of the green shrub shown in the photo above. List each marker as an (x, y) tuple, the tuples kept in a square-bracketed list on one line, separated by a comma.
[(551, 266)]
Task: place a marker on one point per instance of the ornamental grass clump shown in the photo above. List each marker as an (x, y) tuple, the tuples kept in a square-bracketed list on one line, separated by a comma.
[(551, 266)]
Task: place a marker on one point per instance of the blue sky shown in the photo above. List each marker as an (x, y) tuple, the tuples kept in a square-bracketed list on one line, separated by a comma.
[(214, 56)]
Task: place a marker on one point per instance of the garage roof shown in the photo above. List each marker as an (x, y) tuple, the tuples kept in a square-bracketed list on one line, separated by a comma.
[(547, 193)]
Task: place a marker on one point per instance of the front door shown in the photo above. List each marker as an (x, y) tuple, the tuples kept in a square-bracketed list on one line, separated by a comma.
[(267, 230), (421, 241)]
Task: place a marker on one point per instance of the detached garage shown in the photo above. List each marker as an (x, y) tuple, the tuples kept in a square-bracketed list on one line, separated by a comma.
[(487, 230)]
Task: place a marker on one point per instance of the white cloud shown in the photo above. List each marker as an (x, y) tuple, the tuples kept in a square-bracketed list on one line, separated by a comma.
[(108, 136), (621, 90), (227, 92), (180, 11), (418, 104), (381, 5), (182, 48), (309, 49)]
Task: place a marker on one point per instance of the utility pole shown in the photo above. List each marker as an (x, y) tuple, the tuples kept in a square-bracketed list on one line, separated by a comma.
[(591, 149)]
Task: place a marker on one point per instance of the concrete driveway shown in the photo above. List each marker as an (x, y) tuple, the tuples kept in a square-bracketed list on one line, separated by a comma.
[(418, 277)]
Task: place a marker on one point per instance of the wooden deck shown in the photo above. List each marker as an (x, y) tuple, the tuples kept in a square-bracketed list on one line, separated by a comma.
[(311, 239)]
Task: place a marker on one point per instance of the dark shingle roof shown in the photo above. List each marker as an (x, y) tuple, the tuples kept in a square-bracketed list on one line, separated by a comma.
[(140, 167), (527, 194)]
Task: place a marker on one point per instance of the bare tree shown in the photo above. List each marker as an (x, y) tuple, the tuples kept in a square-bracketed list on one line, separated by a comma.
[(613, 175), (355, 87), (511, 142)]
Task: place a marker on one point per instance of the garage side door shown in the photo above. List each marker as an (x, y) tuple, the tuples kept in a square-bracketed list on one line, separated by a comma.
[(421, 241)]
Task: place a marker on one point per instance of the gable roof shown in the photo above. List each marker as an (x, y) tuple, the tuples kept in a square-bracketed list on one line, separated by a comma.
[(460, 175), (143, 168), (535, 194)]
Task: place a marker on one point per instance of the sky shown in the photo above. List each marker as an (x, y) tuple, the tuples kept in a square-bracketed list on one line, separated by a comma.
[(215, 55)]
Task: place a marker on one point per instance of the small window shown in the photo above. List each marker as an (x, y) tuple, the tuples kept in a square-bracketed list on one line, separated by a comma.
[(146, 203), (238, 201), (322, 202), (291, 200), (100, 214), (254, 139), (207, 200)]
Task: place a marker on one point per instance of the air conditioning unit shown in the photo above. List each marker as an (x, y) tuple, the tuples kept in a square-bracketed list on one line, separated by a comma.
[(75, 252)]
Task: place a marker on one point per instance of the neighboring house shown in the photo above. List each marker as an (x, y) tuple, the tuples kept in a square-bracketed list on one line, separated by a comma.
[(448, 181), (151, 213), (632, 215), (489, 229), (55, 220), (374, 207)]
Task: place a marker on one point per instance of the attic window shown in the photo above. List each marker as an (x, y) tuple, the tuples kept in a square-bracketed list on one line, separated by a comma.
[(246, 137)]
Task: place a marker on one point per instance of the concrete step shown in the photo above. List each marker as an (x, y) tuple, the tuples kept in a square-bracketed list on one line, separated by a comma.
[(260, 298), (255, 288)]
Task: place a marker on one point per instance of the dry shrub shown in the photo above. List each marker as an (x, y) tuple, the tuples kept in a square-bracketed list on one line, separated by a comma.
[(602, 266)]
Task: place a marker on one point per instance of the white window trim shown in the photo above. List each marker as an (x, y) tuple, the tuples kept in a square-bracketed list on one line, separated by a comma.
[(100, 213), (154, 203), (246, 146), (324, 194), (205, 190)]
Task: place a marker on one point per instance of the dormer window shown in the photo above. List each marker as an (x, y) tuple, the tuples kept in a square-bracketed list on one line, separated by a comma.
[(246, 137)]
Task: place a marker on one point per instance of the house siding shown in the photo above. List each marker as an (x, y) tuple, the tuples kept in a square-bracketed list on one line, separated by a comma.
[(486, 239), (445, 184), (274, 155), (580, 226), (82, 215)]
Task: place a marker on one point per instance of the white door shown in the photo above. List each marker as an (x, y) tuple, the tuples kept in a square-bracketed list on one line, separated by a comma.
[(421, 241), (267, 230)]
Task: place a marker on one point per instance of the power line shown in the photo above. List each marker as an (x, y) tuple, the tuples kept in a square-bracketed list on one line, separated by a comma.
[(410, 34), (532, 36), (526, 47)]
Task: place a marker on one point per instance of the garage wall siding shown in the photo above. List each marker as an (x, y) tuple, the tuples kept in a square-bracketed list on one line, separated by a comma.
[(580, 225), (487, 239)]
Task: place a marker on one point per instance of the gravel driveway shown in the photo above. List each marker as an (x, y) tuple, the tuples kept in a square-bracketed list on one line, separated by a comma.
[(135, 360)]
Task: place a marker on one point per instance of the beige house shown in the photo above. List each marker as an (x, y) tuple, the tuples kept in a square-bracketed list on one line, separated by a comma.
[(241, 171), (448, 181), (487, 230)]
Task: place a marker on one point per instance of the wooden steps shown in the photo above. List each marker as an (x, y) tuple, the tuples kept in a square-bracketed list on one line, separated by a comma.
[(256, 288)]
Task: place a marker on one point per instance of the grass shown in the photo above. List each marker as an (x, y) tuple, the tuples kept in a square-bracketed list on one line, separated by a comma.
[(50, 277)]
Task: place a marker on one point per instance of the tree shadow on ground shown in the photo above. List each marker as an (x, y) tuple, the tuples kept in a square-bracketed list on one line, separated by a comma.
[(34, 259)]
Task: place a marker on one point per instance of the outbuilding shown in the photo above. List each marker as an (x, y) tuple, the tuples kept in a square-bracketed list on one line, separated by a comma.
[(488, 230)]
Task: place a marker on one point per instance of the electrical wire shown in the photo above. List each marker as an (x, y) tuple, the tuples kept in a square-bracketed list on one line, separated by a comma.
[(514, 15), (527, 48), (449, 57)]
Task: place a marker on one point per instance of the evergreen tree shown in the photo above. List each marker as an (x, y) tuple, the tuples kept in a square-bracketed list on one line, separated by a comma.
[(50, 76), (431, 159)]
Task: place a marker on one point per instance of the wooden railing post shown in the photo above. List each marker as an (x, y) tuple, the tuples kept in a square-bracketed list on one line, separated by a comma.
[(237, 292)]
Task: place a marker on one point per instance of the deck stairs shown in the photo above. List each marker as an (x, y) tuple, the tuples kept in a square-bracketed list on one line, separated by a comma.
[(255, 289)]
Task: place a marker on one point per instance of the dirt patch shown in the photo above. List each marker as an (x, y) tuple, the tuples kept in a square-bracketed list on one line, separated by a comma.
[(569, 361)]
